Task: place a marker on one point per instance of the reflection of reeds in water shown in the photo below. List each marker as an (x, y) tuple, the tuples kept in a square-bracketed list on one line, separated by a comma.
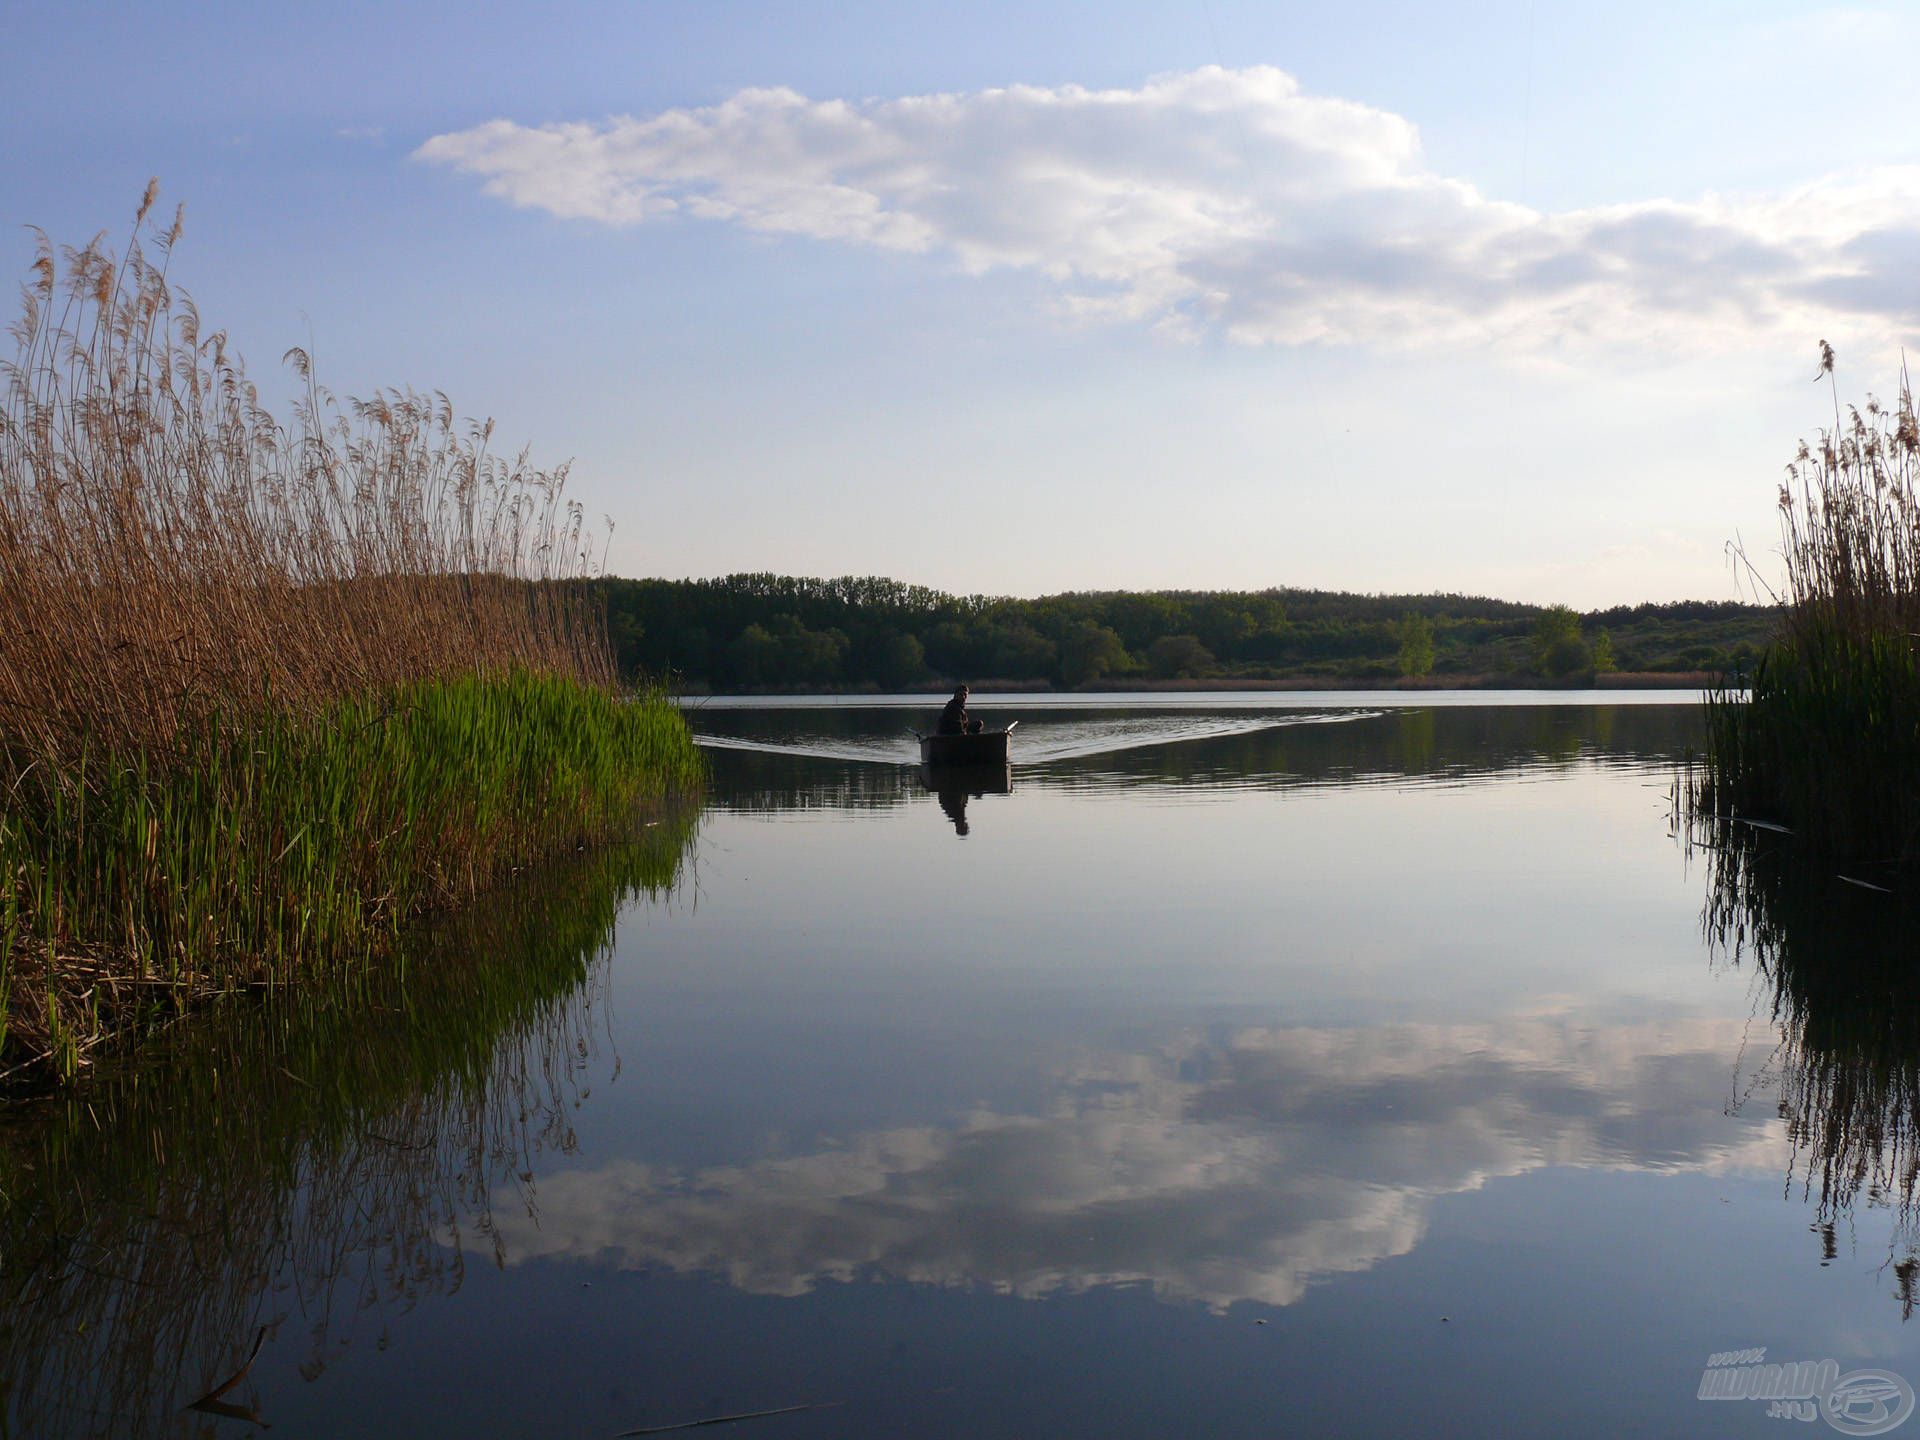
[(291, 1169), (1838, 963)]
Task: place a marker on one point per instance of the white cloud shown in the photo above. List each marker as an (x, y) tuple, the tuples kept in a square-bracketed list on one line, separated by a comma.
[(1229, 200)]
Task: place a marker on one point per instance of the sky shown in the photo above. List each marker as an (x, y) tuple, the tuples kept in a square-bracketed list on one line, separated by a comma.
[(1510, 298)]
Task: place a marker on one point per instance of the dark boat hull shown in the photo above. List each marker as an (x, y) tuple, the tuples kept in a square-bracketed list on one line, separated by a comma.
[(988, 747)]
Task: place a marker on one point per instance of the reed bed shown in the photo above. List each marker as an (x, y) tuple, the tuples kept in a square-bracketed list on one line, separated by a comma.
[(268, 687), (1827, 739)]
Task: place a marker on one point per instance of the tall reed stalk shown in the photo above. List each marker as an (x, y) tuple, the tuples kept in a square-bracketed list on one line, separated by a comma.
[(1827, 739), (268, 686)]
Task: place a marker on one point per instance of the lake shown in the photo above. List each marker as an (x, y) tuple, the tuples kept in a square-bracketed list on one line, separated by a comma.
[(1236, 1065)]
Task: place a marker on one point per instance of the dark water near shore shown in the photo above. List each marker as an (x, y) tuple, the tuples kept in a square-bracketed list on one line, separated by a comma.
[(1324, 1069)]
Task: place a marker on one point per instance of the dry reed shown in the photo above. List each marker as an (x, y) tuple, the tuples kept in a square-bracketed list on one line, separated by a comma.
[(170, 550), (267, 688), (1827, 740)]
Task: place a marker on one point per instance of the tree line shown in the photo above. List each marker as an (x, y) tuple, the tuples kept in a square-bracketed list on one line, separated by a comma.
[(769, 632)]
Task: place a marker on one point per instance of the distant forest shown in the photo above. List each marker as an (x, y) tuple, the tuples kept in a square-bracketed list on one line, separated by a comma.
[(779, 632)]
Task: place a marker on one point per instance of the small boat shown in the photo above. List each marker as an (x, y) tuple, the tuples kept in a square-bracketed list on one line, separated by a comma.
[(982, 747)]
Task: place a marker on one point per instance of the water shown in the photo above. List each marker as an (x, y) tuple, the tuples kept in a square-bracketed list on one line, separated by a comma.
[(1338, 1067)]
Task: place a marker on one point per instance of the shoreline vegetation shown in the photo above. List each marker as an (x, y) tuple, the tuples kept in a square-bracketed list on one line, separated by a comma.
[(270, 690), (1826, 744), (939, 690), (783, 634)]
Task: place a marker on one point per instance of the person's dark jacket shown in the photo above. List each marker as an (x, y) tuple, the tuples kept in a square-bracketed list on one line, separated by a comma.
[(953, 719)]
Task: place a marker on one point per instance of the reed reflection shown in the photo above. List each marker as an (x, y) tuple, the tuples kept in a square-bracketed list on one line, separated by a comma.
[(1836, 960), (311, 1165)]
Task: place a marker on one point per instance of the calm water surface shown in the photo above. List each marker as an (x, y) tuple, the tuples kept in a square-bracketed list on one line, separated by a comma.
[(1326, 1067)]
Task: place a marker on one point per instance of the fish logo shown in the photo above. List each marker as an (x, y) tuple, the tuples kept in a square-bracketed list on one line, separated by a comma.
[(1867, 1402)]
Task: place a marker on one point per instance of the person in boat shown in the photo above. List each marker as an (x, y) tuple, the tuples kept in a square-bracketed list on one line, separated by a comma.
[(953, 719)]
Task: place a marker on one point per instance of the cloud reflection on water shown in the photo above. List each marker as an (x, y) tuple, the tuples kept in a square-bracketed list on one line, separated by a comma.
[(1211, 1169)]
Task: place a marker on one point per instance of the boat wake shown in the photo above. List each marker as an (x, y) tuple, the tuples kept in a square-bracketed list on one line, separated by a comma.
[(904, 751), (1088, 741), (1044, 742)]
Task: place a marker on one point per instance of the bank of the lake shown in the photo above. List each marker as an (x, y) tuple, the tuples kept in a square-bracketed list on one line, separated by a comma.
[(767, 632), (1826, 742), (271, 854), (1210, 697), (272, 687), (1696, 680)]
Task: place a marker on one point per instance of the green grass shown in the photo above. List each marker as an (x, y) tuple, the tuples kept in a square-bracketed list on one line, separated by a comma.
[(274, 847)]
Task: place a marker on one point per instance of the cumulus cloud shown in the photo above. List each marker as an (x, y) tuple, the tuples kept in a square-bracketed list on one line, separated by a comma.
[(1213, 1172), (1226, 200)]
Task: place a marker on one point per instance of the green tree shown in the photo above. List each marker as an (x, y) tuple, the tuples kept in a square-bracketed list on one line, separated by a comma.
[(950, 649), (1021, 652), (1603, 661), (1558, 649), (753, 655), (803, 654), (1416, 644), (1089, 651), (902, 659), (1178, 657), (1141, 618), (626, 632)]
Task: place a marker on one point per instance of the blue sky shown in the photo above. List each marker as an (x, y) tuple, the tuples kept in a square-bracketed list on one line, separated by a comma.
[(1510, 298)]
